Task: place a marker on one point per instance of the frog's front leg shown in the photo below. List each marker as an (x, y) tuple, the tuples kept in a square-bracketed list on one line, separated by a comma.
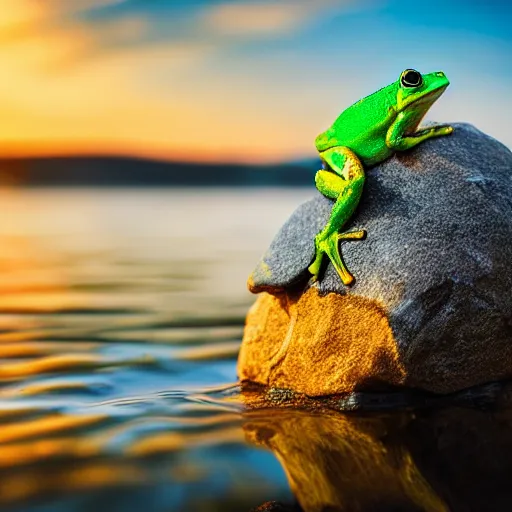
[(343, 182), (398, 141)]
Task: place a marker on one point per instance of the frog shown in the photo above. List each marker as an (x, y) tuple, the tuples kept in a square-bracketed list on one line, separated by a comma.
[(366, 134)]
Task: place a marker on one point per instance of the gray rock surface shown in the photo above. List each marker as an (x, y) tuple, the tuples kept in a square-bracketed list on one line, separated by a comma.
[(438, 255)]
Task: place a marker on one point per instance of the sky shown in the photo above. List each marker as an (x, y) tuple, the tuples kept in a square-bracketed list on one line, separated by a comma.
[(244, 81)]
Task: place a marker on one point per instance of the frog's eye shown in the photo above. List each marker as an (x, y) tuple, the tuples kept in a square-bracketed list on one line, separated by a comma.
[(411, 78)]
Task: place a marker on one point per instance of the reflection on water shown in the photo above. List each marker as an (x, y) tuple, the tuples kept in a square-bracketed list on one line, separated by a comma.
[(121, 315), (436, 460)]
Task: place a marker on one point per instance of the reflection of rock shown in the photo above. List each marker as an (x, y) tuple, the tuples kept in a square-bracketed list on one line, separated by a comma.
[(340, 463), (431, 308), (451, 459)]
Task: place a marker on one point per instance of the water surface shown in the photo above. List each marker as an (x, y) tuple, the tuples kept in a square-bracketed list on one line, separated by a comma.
[(121, 316)]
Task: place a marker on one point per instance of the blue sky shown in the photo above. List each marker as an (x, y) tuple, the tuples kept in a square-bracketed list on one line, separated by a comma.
[(236, 80)]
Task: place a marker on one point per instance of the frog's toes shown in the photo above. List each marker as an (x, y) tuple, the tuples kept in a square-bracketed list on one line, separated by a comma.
[(329, 245), (442, 129), (352, 235), (316, 266)]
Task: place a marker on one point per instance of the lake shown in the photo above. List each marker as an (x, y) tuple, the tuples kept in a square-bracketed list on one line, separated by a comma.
[(121, 316)]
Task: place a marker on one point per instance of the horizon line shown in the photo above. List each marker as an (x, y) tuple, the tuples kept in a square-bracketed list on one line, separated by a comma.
[(17, 150)]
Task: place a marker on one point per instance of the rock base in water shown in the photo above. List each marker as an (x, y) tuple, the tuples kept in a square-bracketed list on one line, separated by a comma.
[(319, 345), (432, 305)]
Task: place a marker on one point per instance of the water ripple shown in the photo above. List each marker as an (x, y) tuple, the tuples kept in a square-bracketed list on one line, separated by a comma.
[(119, 332)]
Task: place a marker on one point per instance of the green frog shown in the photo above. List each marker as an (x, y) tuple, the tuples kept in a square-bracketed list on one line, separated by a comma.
[(365, 134)]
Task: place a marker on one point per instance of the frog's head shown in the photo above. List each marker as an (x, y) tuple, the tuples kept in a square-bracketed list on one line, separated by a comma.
[(412, 93), (418, 92)]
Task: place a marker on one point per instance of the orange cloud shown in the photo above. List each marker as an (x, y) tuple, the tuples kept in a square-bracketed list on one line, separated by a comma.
[(21, 18), (116, 102), (150, 99), (264, 18), (177, 98)]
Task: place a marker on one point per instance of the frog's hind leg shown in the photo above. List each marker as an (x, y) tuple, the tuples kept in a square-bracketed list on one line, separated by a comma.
[(347, 193), (327, 241), (329, 184)]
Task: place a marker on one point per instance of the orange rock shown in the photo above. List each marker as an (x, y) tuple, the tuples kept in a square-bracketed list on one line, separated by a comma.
[(319, 345)]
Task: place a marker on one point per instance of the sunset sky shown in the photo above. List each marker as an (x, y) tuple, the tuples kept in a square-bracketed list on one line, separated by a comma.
[(234, 80)]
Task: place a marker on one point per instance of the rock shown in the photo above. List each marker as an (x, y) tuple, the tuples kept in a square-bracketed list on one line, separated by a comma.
[(432, 304)]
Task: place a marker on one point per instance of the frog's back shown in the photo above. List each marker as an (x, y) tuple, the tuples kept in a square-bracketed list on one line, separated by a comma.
[(363, 126)]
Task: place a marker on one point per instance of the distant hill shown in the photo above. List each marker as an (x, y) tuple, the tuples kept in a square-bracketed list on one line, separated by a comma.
[(140, 172)]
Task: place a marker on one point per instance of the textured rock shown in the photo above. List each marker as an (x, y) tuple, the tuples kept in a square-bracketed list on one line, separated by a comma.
[(319, 346), (437, 262)]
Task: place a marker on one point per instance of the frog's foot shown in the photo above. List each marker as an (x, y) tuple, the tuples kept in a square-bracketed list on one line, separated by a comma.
[(436, 130), (329, 245), (443, 129)]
